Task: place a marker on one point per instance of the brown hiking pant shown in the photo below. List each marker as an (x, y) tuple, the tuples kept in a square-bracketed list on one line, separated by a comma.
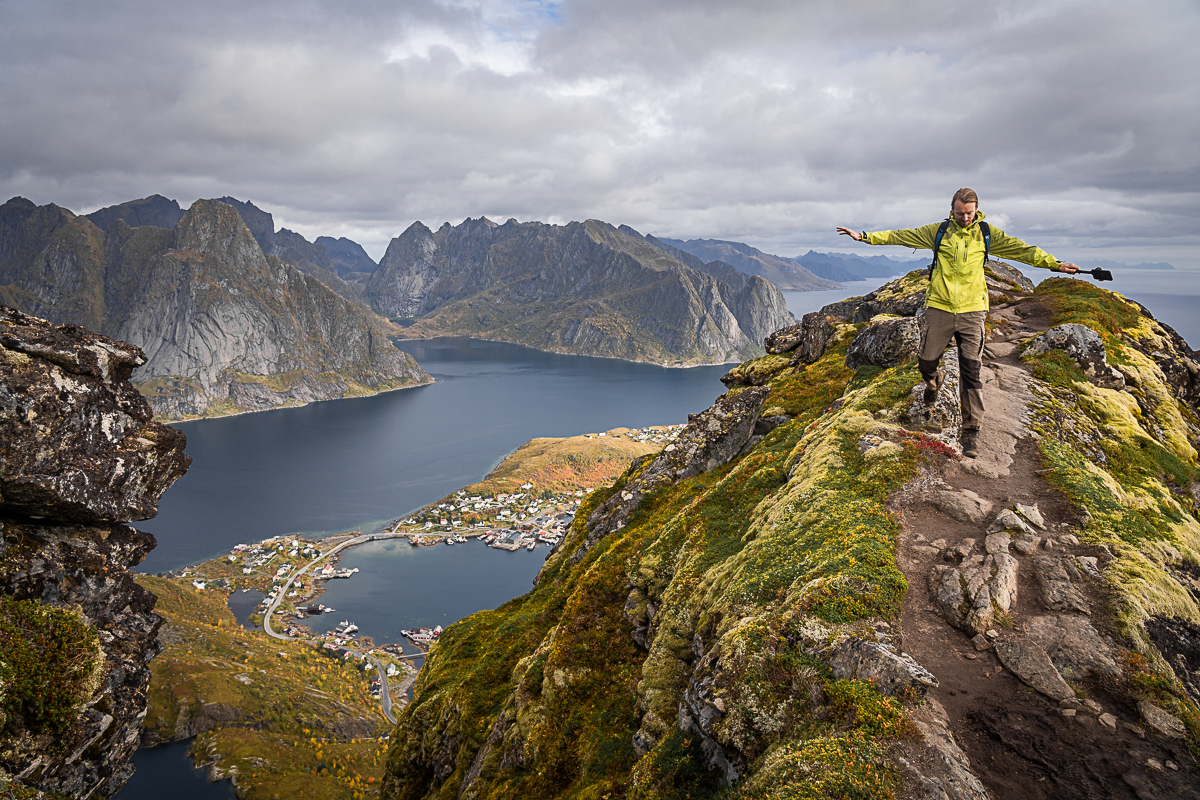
[(938, 328)]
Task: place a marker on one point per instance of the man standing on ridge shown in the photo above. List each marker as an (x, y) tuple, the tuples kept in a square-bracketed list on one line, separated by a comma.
[(956, 303)]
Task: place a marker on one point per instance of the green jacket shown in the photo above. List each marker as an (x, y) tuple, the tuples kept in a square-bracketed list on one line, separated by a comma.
[(958, 285)]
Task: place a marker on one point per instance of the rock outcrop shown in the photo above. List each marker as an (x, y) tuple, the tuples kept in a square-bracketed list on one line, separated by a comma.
[(79, 457), (584, 288), (224, 327)]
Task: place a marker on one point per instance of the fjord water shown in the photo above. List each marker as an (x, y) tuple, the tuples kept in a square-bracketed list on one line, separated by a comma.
[(357, 464)]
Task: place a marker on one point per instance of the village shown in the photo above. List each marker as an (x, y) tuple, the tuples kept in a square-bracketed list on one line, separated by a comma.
[(504, 511)]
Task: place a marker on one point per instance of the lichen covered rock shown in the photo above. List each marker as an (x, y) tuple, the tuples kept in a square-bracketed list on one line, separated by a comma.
[(886, 342), (1084, 346), (79, 455)]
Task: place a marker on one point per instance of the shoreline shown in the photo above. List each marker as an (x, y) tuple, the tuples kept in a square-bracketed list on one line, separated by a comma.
[(169, 421)]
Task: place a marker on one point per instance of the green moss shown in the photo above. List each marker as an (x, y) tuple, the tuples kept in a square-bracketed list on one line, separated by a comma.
[(49, 665)]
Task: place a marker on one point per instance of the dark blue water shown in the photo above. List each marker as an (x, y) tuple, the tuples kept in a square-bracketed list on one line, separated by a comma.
[(167, 771), (356, 464), (401, 587)]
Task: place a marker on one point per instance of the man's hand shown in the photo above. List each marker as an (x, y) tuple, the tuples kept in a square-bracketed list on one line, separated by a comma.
[(855, 235), (1068, 267)]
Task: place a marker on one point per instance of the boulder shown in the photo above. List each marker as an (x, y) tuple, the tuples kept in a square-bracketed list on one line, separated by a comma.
[(1073, 645), (1161, 721), (1007, 520), (889, 670), (963, 505), (784, 340), (1085, 347), (885, 343), (895, 297), (1029, 662), (816, 331), (1006, 277), (756, 372), (1058, 593), (970, 595), (945, 413)]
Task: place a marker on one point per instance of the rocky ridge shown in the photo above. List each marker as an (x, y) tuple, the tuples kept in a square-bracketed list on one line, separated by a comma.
[(225, 328), (585, 287), (842, 605), (79, 457)]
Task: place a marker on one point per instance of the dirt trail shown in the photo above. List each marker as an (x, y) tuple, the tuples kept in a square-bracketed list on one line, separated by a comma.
[(1019, 742)]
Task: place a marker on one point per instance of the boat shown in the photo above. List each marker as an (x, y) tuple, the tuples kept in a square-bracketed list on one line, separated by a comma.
[(531, 545), (449, 541)]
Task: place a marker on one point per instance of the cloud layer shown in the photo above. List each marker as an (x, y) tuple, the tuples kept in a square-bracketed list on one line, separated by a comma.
[(768, 122)]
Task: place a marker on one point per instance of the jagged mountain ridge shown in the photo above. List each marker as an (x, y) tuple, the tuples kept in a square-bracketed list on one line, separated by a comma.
[(225, 327), (751, 612), (584, 287), (688, 321)]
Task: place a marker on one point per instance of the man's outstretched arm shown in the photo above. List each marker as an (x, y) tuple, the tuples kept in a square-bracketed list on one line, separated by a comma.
[(919, 238), (1005, 246)]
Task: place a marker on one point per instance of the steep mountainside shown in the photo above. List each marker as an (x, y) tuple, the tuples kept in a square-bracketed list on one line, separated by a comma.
[(783, 272), (225, 328), (811, 594), (79, 456), (584, 288)]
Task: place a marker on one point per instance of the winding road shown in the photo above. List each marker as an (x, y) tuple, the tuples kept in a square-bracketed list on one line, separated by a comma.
[(385, 697)]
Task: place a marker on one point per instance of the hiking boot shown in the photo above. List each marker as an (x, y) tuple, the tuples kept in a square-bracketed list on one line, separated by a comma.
[(932, 388), (969, 439)]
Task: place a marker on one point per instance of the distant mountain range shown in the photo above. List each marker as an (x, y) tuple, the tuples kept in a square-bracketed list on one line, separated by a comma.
[(810, 271), (1118, 265), (235, 315), (225, 327)]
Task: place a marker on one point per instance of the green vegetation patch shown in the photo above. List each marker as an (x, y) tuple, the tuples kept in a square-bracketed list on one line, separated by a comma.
[(50, 663), (284, 717)]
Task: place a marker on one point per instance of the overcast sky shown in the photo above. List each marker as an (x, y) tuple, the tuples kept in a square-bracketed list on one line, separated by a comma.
[(1078, 122)]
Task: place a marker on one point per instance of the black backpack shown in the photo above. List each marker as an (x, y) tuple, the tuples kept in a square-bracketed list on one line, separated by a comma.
[(937, 242)]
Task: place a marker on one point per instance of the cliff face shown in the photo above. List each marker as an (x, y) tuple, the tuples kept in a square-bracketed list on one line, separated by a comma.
[(584, 287), (225, 328), (810, 593), (79, 456)]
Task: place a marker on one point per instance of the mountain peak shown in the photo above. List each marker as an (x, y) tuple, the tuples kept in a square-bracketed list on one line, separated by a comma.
[(215, 227)]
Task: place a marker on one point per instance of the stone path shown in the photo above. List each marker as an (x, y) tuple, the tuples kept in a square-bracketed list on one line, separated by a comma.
[(1000, 610)]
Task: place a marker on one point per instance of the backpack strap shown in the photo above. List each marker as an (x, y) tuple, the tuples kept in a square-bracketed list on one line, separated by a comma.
[(941, 234), (937, 245)]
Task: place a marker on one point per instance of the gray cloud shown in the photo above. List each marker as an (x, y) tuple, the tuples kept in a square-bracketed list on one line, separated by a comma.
[(768, 122)]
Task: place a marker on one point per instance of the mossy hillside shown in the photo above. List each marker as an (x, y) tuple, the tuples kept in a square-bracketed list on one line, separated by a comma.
[(1126, 459), (715, 557), (286, 707)]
